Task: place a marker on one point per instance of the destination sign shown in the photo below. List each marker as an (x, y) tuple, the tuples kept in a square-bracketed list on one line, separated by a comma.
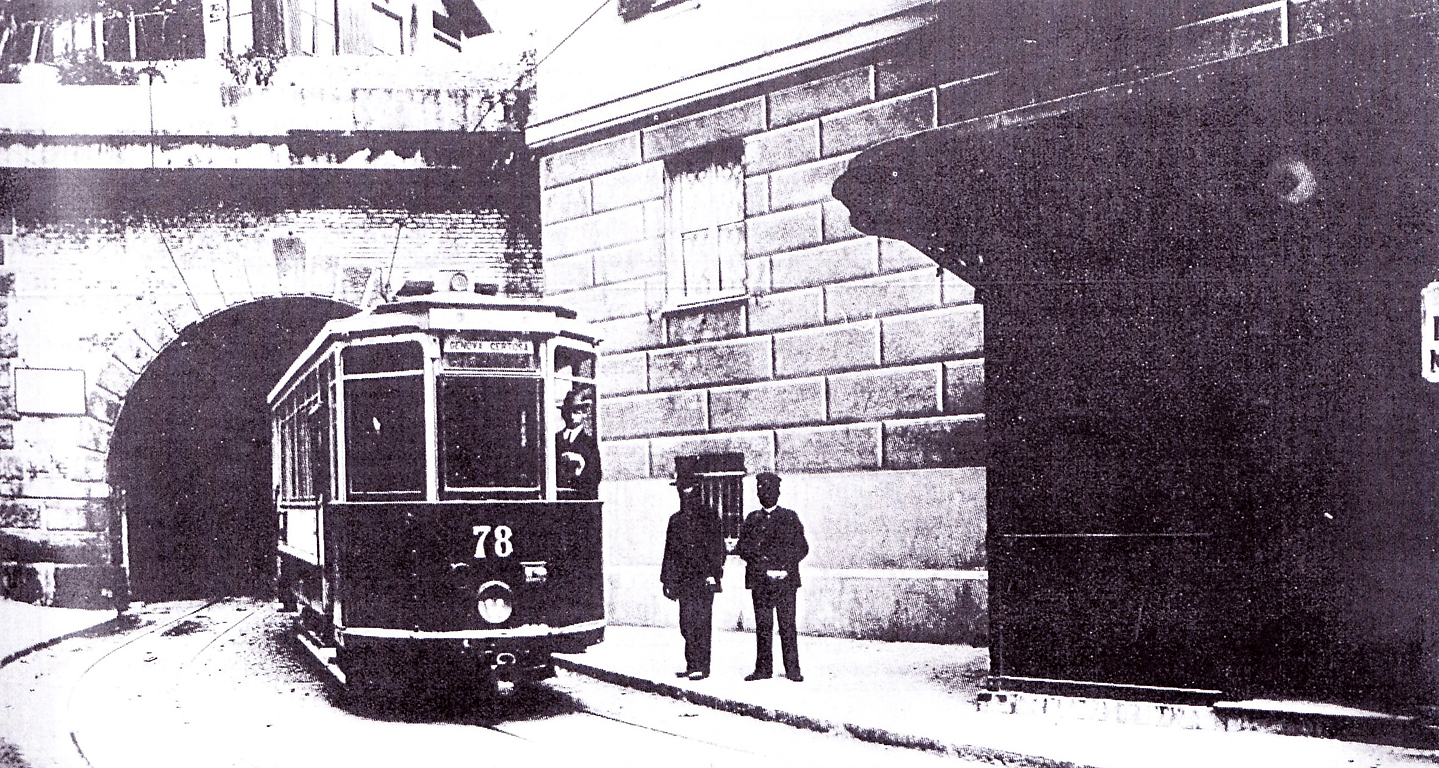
[(456, 344), (460, 352)]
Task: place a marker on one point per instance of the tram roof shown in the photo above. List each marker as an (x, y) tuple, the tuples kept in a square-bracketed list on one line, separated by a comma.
[(451, 311)]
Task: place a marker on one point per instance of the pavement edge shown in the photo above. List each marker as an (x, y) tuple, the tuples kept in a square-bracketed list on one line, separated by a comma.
[(104, 626), (869, 734)]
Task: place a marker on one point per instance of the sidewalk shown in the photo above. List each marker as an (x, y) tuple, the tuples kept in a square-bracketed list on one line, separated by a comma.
[(923, 696), (25, 628), (905, 694)]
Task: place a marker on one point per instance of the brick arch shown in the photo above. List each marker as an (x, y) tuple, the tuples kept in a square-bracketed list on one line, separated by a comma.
[(144, 342), (109, 296), (187, 453)]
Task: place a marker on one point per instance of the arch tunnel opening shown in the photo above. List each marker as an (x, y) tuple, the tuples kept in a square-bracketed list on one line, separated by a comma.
[(190, 454)]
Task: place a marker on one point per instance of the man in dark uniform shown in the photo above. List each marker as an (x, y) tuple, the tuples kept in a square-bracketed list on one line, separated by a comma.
[(577, 453), (772, 543), (692, 568)]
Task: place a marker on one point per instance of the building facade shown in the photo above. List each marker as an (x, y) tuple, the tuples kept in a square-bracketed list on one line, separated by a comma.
[(687, 156)]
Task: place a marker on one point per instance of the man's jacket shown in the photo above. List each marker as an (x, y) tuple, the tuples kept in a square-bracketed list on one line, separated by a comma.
[(772, 542), (694, 550)]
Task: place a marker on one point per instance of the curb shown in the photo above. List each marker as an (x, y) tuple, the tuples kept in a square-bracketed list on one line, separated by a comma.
[(872, 735), (104, 626)]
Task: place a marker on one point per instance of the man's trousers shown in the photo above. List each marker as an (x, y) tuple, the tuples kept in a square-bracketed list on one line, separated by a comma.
[(696, 618), (772, 601)]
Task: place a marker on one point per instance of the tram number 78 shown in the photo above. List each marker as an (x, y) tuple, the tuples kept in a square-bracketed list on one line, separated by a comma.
[(504, 545)]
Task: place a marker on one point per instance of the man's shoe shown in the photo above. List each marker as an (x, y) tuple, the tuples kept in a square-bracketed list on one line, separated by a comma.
[(798, 678), (698, 675), (753, 676), (685, 673)]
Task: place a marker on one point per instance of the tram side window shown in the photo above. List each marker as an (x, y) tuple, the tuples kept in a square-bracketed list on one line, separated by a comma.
[(303, 433), (489, 431), (385, 434), (577, 457)]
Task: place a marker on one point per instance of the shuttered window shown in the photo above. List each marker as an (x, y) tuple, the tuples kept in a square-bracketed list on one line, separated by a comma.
[(705, 241)]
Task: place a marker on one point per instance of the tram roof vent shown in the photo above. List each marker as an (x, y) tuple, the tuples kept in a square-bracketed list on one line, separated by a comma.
[(416, 288)]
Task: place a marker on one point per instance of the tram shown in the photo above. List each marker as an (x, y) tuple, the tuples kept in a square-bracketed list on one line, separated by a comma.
[(435, 471)]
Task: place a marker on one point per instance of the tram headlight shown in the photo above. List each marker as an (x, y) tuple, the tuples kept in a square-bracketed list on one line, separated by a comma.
[(459, 281), (495, 604)]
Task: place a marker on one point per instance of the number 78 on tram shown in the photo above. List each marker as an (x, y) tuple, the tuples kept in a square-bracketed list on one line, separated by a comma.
[(436, 469)]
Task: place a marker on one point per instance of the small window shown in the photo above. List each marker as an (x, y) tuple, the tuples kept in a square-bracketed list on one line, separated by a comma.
[(117, 39), (387, 31), (721, 477), (383, 358), (705, 237)]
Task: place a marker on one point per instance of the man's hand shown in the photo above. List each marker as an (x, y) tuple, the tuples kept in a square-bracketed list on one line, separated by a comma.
[(670, 593), (777, 575)]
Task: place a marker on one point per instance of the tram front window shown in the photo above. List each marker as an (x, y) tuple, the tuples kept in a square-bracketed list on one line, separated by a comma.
[(385, 434), (488, 432)]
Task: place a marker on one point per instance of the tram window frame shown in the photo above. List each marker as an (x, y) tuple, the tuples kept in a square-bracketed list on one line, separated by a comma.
[(402, 373), (528, 457), (558, 391)]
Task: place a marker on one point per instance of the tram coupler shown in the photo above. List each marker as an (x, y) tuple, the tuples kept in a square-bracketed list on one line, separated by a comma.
[(504, 672)]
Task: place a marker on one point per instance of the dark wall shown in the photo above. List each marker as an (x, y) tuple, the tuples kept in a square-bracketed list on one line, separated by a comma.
[(1213, 461)]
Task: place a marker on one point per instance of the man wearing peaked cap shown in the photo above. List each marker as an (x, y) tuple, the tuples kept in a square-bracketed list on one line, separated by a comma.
[(772, 543)]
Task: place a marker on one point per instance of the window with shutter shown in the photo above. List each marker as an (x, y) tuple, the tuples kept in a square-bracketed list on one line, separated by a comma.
[(705, 238)]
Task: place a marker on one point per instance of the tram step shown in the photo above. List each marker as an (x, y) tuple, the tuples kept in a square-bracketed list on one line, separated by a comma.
[(326, 656)]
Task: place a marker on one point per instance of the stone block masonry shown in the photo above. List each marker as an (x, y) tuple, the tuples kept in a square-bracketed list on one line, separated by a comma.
[(804, 364), (842, 355)]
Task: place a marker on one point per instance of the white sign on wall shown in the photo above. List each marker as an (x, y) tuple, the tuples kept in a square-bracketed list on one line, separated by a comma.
[(49, 391), (1429, 333)]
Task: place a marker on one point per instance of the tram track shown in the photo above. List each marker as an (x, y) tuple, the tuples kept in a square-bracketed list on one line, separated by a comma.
[(149, 632), (213, 686)]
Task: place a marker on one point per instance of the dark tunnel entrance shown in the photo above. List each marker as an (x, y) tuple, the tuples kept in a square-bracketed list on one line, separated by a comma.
[(191, 451)]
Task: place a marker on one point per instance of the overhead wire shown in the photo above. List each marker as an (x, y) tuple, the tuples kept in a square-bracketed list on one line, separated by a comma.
[(530, 70)]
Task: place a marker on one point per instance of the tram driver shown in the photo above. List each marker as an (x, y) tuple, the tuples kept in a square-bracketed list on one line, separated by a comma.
[(577, 452)]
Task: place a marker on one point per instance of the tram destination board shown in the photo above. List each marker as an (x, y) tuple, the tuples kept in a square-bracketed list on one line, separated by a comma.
[(508, 353)]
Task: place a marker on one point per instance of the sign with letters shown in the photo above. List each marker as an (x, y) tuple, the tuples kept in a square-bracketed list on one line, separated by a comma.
[(512, 353), (1429, 333)]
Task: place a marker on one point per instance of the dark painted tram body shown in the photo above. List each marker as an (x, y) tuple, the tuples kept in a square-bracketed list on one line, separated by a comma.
[(1211, 395), (426, 535)]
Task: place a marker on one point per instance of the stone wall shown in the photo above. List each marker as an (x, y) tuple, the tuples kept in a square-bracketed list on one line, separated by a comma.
[(852, 366), (851, 363), (107, 296)]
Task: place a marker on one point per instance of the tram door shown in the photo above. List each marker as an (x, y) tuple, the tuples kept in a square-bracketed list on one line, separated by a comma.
[(572, 409)]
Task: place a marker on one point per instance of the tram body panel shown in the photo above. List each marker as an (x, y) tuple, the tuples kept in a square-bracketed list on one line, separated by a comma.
[(421, 567)]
